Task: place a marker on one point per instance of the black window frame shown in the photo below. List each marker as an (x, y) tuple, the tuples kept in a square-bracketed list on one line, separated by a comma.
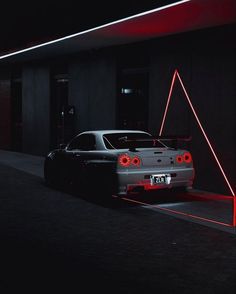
[(91, 145), (111, 141)]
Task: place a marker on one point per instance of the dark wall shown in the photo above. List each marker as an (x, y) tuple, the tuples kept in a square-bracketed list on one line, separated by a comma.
[(206, 62), (213, 88), (92, 89), (5, 116), (35, 109)]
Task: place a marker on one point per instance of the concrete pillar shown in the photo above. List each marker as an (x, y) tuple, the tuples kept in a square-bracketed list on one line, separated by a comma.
[(5, 115), (92, 90), (36, 109)]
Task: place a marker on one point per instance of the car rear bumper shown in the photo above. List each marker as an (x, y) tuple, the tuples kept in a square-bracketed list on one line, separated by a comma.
[(138, 180)]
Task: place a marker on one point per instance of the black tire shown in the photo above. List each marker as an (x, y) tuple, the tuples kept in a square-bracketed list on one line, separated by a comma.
[(103, 182)]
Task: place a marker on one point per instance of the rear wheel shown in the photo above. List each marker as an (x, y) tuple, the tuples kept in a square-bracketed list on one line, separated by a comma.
[(101, 181)]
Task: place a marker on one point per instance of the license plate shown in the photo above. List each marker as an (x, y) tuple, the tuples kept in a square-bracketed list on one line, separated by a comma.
[(162, 179)]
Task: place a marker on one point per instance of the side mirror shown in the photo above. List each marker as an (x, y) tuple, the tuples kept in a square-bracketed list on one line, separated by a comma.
[(62, 146)]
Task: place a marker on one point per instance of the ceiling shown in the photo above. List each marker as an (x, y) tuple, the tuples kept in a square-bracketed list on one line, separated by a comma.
[(182, 16)]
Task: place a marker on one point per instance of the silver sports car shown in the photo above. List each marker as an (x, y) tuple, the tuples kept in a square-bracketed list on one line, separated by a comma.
[(119, 162)]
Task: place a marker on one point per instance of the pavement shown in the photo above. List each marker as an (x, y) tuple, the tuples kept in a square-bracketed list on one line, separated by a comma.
[(25, 162), (197, 206), (52, 240)]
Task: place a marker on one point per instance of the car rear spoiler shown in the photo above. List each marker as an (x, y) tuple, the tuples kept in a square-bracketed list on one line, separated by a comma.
[(173, 139)]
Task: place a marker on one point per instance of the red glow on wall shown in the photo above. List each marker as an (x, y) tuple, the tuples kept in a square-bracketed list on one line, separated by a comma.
[(176, 75), (234, 211), (187, 16)]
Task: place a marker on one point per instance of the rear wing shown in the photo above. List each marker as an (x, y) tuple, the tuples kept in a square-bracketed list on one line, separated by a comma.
[(174, 141)]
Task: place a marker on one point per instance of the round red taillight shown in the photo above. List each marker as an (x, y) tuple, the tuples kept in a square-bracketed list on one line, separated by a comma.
[(179, 159), (136, 161), (124, 160), (187, 157)]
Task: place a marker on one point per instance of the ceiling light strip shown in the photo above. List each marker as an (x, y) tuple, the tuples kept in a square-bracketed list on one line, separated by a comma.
[(94, 29)]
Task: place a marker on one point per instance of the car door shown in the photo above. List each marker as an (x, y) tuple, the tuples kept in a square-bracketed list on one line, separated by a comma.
[(77, 155)]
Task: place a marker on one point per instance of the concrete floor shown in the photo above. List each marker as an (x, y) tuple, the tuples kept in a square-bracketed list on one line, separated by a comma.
[(205, 208), (53, 241), (201, 207)]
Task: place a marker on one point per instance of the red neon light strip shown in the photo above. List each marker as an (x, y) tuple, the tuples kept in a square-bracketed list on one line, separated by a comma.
[(205, 136), (194, 216), (178, 212), (168, 102), (199, 123)]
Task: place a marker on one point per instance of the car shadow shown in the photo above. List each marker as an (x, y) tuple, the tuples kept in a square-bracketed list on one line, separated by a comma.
[(157, 197), (94, 197), (164, 196)]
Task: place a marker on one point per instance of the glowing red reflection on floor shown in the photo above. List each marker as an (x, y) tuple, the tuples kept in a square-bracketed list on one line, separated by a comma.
[(156, 206), (176, 74)]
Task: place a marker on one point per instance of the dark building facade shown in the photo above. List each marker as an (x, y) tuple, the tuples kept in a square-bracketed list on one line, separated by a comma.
[(46, 101)]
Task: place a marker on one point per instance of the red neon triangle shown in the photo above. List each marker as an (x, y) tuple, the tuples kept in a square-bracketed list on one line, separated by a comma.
[(176, 75)]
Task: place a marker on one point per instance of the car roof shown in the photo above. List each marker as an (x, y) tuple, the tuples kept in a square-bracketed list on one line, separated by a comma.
[(104, 132)]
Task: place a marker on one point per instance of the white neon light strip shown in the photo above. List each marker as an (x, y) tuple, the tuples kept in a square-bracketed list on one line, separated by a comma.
[(94, 29), (199, 123)]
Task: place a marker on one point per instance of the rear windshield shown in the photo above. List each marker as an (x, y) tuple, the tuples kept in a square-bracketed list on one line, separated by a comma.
[(128, 140)]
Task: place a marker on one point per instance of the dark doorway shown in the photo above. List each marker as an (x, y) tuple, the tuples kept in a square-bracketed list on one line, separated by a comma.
[(132, 99), (62, 114), (16, 114)]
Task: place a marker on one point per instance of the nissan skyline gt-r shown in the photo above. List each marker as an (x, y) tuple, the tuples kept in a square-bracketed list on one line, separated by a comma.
[(118, 162)]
